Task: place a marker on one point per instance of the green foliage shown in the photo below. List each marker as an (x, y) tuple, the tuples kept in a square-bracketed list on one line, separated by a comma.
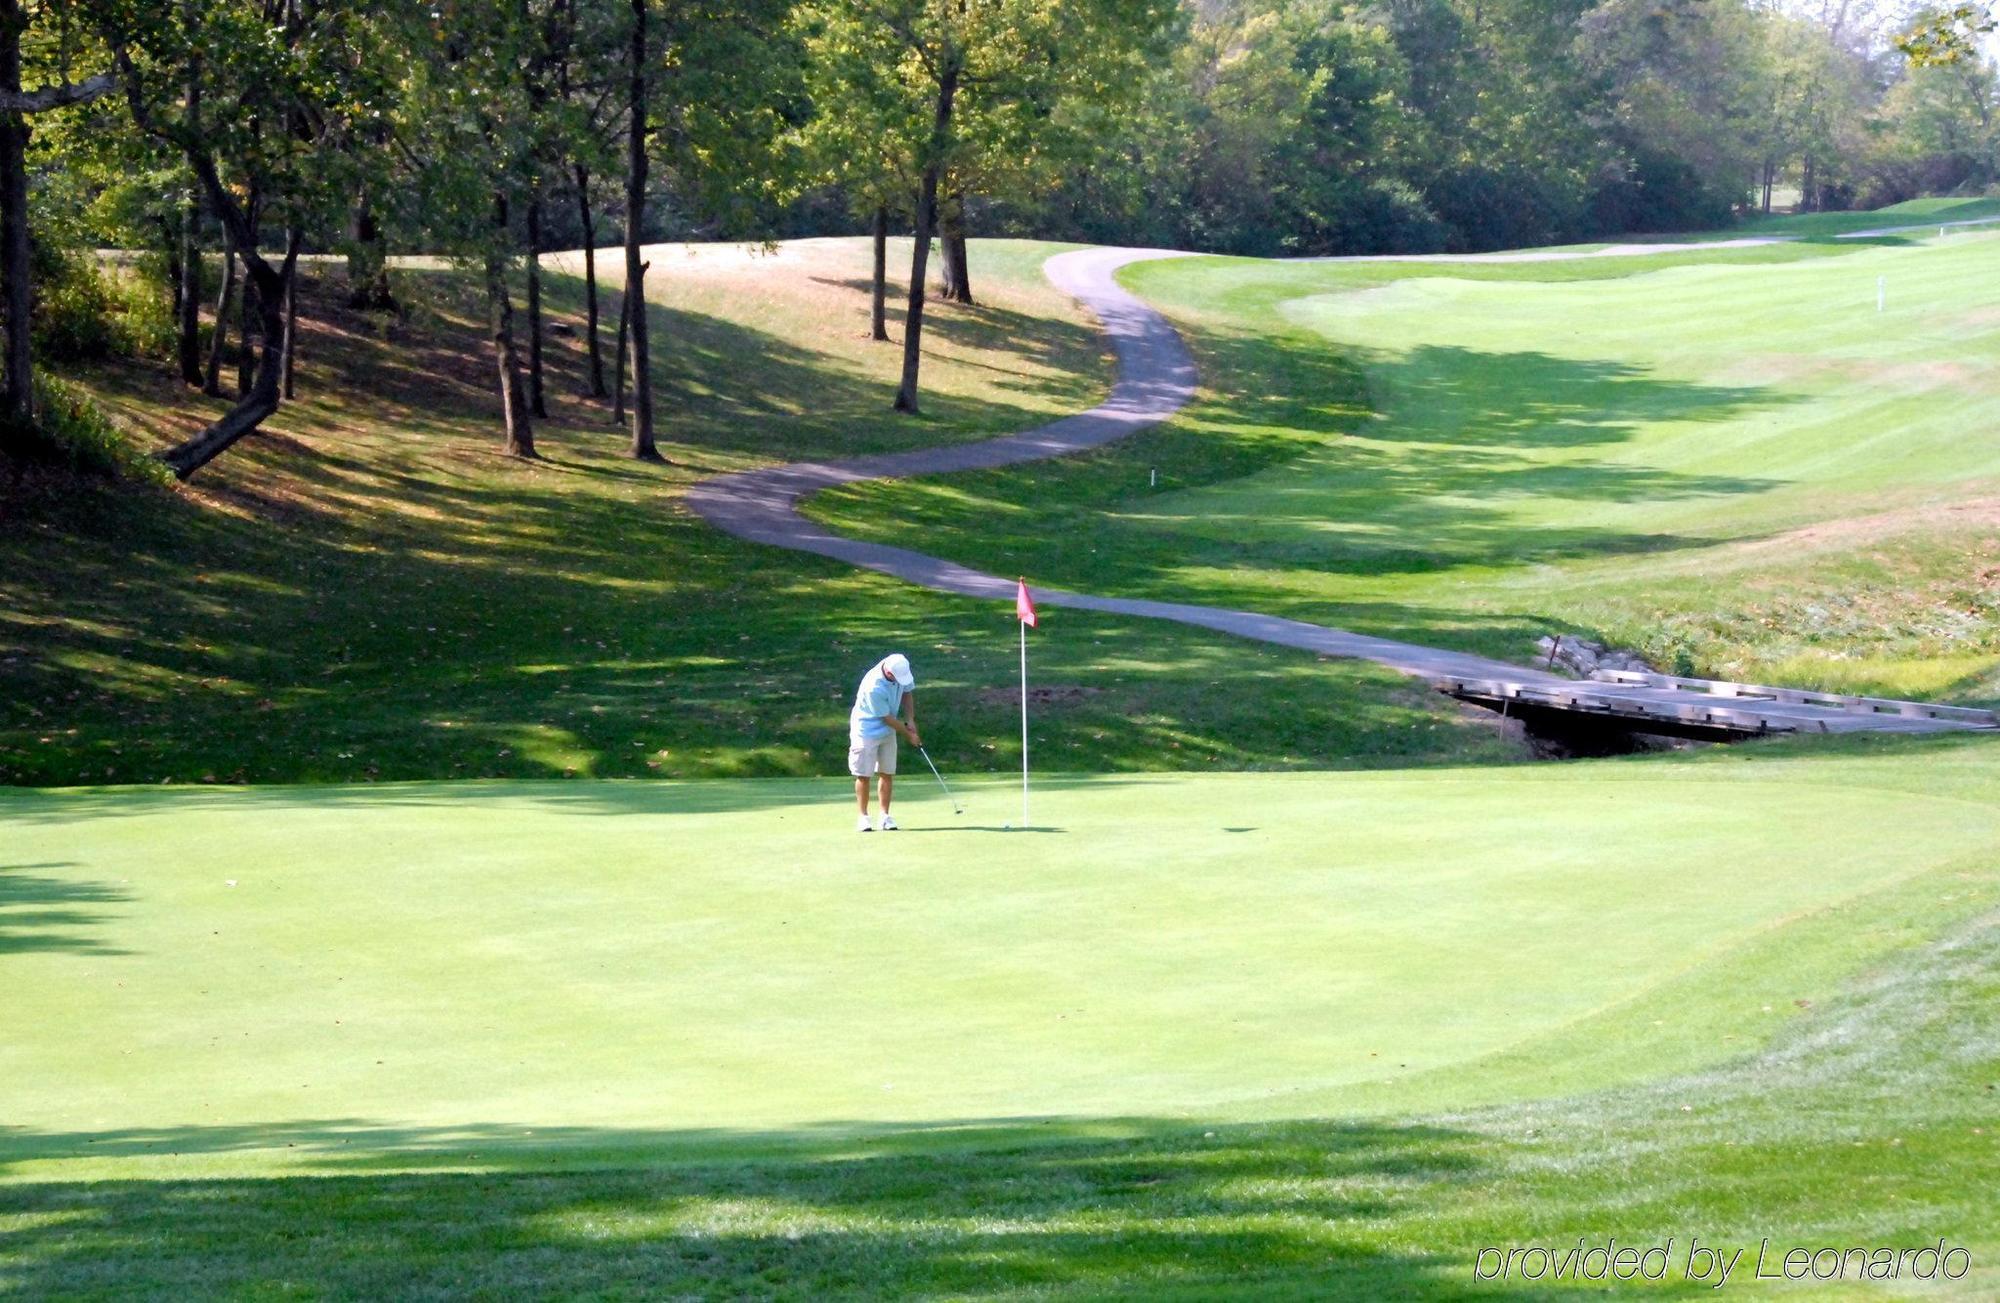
[(280, 101), (1284, 125), (1943, 37), (72, 430), (732, 96), (1036, 85), (82, 313)]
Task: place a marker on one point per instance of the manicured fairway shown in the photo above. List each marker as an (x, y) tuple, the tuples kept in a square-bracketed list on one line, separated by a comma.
[(369, 967), (1730, 460)]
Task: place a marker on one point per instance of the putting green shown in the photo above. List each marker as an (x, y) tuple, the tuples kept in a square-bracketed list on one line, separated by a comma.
[(293, 970)]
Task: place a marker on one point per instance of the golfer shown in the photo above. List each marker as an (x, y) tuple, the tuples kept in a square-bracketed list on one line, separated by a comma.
[(886, 692)]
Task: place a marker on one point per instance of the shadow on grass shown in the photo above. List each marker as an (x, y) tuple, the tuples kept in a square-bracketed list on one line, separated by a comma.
[(595, 798), (1526, 401), (987, 827), (40, 913), (1339, 489), (417, 606), (1785, 1141), (1139, 1207), (506, 629)]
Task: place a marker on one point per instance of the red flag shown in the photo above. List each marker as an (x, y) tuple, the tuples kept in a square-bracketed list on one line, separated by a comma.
[(1024, 609)]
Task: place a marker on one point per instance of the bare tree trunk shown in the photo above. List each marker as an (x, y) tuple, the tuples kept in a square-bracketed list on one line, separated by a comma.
[(643, 446), (17, 385), (171, 246), (590, 281), (191, 256), (189, 322), (913, 321), (879, 306), (247, 356), (211, 383), (293, 238), (958, 270), (618, 353), (515, 414), (1808, 197), (262, 396), (537, 399), (17, 376)]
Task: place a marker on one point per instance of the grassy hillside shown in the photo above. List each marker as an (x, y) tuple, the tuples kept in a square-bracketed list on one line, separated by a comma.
[(367, 590), (701, 1038), (1729, 460), (1320, 1035)]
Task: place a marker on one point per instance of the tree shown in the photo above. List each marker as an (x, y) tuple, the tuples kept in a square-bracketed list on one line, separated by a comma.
[(1948, 113), (100, 183), (17, 106), (859, 135), (294, 99), (709, 96), (599, 104), (478, 124), (1950, 98), (1011, 60), (1943, 37), (1682, 79), (638, 109)]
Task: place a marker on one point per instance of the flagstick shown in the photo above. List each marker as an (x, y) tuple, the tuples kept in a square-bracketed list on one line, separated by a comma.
[(1024, 722)]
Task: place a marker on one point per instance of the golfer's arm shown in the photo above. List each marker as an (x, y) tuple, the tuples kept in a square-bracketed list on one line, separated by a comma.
[(907, 725)]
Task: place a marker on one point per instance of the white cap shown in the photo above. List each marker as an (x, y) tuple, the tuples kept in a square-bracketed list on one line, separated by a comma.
[(898, 667)]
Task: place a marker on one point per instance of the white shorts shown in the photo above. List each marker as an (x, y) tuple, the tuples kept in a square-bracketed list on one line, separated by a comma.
[(868, 756)]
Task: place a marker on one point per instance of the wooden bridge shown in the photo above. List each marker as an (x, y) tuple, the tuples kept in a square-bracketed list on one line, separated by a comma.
[(1704, 709)]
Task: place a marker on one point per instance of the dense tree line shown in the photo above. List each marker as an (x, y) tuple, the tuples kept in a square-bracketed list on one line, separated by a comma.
[(240, 135), (1325, 127)]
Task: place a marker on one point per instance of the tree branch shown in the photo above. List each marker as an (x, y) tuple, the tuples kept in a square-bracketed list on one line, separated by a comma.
[(58, 96)]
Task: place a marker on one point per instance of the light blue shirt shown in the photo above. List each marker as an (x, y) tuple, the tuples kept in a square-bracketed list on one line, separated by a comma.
[(877, 696)]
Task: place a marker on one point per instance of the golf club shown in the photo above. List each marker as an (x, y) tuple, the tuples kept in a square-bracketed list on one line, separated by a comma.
[(941, 783)]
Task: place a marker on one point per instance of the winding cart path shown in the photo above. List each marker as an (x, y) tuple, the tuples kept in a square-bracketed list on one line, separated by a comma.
[(1155, 379)]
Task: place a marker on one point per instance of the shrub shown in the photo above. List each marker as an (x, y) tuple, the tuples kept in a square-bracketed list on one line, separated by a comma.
[(72, 430), (1503, 206), (72, 317), (1390, 216), (81, 314)]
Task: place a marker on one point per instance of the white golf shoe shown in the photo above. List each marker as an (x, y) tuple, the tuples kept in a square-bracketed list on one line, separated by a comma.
[(861, 824), (886, 824)]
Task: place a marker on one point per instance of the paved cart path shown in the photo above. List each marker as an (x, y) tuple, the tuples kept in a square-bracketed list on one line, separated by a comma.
[(1155, 379)]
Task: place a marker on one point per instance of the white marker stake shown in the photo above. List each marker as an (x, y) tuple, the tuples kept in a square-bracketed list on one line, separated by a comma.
[(1153, 481), (1024, 723), (1024, 613)]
